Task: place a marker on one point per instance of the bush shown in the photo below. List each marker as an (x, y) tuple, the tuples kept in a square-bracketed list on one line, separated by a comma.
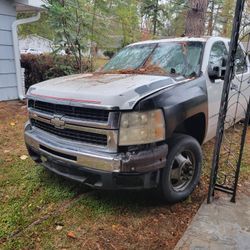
[(39, 68), (109, 53)]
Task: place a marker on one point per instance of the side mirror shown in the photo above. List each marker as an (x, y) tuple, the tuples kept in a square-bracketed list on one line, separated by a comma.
[(214, 72), (218, 71)]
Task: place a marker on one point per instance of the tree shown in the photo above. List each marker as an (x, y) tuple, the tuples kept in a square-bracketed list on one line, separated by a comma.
[(177, 12), (98, 14), (245, 34), (227, 18), (41, 28), (195, 21), (71, 26), (214, 14), (156, 9), (127, 21), (153, 13), (211, 17)]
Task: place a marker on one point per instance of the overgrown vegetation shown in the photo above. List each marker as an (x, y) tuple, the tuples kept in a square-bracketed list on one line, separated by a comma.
[(39, 68)]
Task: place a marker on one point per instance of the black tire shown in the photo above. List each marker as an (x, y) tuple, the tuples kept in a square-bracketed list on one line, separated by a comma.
[(181, 149)]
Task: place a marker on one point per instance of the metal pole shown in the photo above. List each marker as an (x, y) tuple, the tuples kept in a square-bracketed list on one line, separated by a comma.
[(225, 93)]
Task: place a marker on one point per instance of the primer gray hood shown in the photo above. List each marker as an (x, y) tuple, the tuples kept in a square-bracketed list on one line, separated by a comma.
[(104, 90)]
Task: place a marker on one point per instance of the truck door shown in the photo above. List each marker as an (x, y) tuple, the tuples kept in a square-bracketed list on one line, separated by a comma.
[(217, 52), (241, 84)]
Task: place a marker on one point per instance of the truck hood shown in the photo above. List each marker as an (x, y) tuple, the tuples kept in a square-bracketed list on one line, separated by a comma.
[(121, 91)]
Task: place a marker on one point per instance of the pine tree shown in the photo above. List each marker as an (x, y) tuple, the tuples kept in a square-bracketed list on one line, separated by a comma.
[(227, 17), (195, 21)]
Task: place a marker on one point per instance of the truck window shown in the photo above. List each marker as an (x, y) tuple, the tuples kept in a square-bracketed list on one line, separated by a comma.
[(240, 61), (130, 57), (218, 51), (168, 58), (183, 58)]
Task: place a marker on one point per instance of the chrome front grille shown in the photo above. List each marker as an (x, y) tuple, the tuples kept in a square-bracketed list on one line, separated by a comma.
[(71, 111), (76, 135), (93, 127)]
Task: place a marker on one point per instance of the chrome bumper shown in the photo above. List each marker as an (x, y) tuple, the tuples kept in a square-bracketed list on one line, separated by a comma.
[(45, 144)]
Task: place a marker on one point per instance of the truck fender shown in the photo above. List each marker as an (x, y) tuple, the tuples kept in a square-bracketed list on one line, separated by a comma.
[(179, 104)]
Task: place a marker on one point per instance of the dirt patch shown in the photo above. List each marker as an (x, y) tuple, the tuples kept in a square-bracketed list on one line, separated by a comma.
[(12, 118), (11, 109)]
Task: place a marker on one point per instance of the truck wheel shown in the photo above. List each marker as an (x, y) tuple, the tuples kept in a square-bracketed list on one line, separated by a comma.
[(183, 168)]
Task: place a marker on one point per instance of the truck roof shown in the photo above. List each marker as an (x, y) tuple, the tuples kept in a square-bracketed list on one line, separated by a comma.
[(179, 39)]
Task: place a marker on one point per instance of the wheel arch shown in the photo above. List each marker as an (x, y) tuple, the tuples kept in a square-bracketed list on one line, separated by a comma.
[(194, 126)]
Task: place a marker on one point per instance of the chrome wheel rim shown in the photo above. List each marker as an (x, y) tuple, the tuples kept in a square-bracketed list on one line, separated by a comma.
[(182, 170)]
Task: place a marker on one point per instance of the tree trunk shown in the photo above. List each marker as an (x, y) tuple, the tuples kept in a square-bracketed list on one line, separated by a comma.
[(155, 16), (211, 20), (227, 16), (92, 36), (195, 21)]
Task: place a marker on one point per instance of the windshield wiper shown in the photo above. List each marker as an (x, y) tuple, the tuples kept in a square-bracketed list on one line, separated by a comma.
[(147, 58)]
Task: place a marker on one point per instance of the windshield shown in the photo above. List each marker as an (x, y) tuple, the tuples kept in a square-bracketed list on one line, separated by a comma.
[(169, 58)]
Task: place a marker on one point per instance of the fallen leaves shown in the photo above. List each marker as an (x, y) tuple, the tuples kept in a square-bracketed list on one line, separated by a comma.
[(12, 124), (23, 157), (119, 229), (162, 216), (114, 227), (71, 235), (59, 228)]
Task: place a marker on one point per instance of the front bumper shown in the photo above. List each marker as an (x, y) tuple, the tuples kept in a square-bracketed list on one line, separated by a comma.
[(94, 167)]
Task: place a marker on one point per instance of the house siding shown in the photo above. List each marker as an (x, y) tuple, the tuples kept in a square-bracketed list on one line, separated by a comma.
[(8, 82)]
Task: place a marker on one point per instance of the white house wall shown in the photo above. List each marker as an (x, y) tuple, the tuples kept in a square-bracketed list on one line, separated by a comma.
[(8, 82)]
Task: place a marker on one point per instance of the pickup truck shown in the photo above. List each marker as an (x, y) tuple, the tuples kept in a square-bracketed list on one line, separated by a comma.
[(140, 121)]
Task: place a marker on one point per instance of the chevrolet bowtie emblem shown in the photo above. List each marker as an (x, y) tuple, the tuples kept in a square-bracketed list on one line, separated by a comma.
[(58, 122)]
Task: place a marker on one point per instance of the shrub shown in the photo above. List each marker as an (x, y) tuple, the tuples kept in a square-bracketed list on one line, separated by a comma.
[(39, 68), (109, 53)]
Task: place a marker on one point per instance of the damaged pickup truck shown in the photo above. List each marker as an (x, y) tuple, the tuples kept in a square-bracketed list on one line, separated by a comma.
[(140, 121)]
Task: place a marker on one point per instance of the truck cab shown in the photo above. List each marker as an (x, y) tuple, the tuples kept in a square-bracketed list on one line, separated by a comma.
[(140, 121)]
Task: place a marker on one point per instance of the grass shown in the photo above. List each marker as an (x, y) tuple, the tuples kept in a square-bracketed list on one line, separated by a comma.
[(26, 189), (34, 202), (99, 62)]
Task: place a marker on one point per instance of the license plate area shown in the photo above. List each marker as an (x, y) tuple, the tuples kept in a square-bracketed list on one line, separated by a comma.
[(59, 154)]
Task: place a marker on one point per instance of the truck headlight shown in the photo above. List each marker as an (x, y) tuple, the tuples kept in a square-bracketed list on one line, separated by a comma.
[(141, 127)]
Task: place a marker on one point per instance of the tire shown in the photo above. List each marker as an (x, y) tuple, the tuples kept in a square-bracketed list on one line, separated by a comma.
[(182, 172)]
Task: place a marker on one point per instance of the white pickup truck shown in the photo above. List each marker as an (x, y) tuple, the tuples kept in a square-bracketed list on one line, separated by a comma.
[(140, 121)]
